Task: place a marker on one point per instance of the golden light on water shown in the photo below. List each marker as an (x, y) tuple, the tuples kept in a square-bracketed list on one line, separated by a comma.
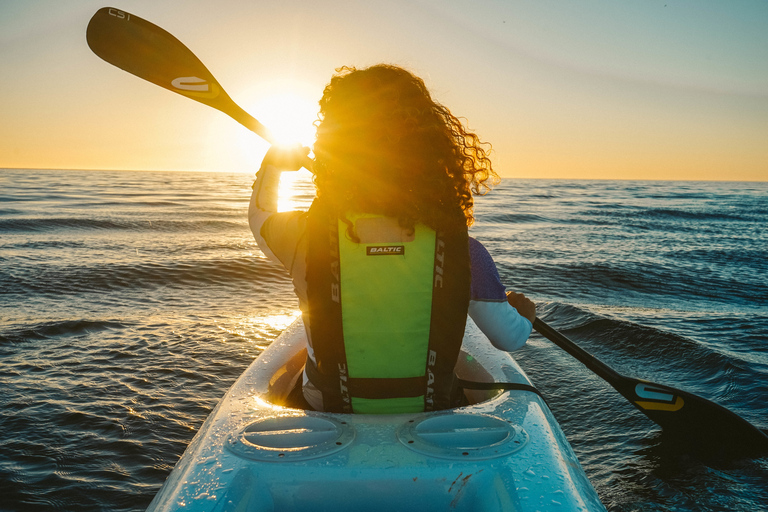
[(295, 191), (258, 330), (279, 322)]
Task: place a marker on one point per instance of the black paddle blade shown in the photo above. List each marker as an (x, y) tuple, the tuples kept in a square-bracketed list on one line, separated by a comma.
[(692, 420), (704, 426), (149, 52)]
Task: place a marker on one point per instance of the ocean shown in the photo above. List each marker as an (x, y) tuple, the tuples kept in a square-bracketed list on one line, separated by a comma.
[(131, 301)]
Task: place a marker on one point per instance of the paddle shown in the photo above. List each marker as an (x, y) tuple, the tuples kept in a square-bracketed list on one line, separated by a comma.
[(697, 422), (149, 52)]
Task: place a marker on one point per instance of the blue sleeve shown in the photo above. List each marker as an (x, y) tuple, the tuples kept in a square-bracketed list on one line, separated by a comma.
[(488, 306), (486, 283)]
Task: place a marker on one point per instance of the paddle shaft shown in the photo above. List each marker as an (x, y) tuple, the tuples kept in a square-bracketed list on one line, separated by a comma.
[(590, 361)]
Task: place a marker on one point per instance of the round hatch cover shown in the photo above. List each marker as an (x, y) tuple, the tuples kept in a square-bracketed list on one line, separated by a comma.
[(462, 436), (291, 438)]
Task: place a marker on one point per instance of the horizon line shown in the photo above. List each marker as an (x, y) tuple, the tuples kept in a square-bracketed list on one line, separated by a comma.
[(502, 177)]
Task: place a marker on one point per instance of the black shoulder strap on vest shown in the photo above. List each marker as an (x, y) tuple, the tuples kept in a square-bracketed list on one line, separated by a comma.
[(450, 302), (324, 297)]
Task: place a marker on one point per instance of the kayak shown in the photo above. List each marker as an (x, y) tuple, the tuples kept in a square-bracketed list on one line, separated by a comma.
[(503, 452)]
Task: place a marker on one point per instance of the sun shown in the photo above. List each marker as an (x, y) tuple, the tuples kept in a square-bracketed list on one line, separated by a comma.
[(289, 112), (288, 108)]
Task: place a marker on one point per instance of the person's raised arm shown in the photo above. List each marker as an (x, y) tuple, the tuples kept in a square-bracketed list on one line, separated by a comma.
[(265, 188)]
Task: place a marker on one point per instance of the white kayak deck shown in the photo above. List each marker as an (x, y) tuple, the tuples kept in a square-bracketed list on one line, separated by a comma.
[(504, 452)]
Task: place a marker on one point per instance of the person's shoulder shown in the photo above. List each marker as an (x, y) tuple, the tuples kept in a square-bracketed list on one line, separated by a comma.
[(477, 251), (486, 284)]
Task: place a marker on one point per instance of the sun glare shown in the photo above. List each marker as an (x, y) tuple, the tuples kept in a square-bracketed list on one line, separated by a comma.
[(287, 108), (289, 114)]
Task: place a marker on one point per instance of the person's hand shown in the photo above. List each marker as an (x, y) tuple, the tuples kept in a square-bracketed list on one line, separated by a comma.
[(286, 158), (523, 305)]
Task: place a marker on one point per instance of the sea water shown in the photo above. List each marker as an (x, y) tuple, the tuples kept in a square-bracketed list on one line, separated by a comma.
[(131, 301)]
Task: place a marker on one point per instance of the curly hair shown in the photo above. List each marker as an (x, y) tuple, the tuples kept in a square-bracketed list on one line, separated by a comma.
[(385, 146)]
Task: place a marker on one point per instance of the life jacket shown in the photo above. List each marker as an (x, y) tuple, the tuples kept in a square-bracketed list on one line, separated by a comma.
[(386, 319)]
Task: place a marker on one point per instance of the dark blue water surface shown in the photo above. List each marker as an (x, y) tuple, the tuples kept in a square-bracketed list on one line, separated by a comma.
[(130, 302)]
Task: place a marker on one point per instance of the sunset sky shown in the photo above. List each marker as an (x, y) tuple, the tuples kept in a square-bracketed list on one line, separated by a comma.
[(618, 89)]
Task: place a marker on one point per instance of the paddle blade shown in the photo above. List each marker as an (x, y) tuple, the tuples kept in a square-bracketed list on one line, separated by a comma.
[(691, 419), (149, 52)]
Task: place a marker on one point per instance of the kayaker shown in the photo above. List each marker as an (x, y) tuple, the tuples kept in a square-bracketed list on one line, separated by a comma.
[(382, 263)]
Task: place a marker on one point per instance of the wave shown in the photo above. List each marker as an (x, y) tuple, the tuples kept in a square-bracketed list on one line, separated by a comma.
[(516, 218), (628, 337), (644, 280), (695, 215), (31, 224), (59, 279), (126, 202), (725, 260), (47, 330), (665, 219)]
